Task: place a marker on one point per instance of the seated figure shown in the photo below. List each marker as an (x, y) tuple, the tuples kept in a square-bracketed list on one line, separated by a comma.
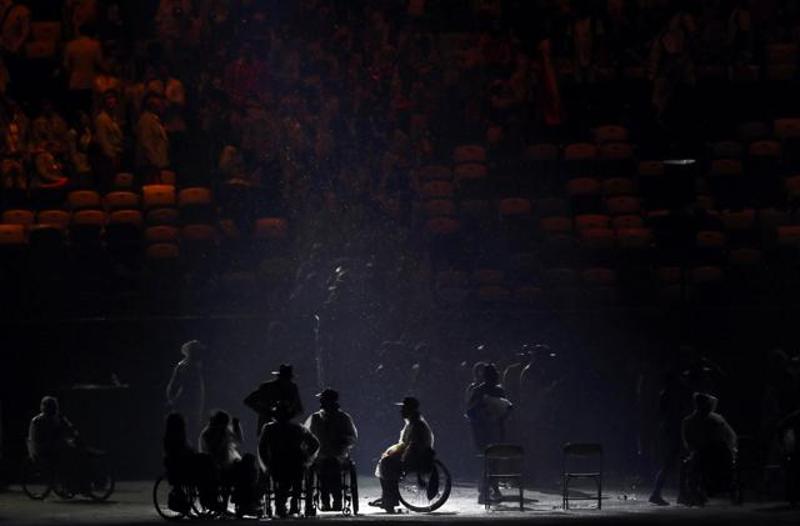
[(336, 434), (286, 449)]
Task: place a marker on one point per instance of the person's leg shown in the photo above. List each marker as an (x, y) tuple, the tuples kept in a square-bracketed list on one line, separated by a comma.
[(296, 483), (336, 484), (391, 468), (670, 456)]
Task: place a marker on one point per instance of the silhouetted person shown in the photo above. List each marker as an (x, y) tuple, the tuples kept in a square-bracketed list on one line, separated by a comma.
[(789, 434), (487, 411), (711, 444), (281, 390), (186, 390), (286, 449), (53, 441), (221, 440), (184, 467), (413, 452), (512, 375), (672, 406), (337, 435)]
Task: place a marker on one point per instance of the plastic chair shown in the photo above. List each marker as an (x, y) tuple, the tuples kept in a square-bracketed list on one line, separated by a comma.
[(571, 452), (504, 462)]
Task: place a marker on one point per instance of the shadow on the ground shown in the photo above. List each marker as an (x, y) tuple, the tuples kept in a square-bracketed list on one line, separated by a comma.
[(83, 502)]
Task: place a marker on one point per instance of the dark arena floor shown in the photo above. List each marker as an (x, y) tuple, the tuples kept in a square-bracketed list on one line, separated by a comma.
[(131, 504)]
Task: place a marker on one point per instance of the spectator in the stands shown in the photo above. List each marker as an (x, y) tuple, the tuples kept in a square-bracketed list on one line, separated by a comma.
[(110, 141), (50, 131), (83, 58), (152, 142)]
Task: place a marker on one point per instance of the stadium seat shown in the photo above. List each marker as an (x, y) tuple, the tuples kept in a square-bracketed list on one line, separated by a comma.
[(87, 227), (627, 221), (623, 205), (726, 150), (158, 196), (18, 216), (161, 234), (195, 205), (57, 218), (584, 195), (579, 160), (437, 190), (610, 133), (84, 199), (616, 186), (123, 180), (586, 221), (121, 200), (162, 216), (12, 235), (271, 228), (162, 252), (435, 173), (469, 153)]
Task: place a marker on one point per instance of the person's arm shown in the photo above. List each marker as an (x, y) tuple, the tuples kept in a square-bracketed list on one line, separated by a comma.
[(103, 134), (33, 438), (312, 444), (237, 430), (351, 435), (174, 387), (255, 401)]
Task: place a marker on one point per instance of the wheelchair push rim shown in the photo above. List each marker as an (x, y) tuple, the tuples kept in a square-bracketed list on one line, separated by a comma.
[(101, 479), (37, 482), (161, 490), (413, 490)]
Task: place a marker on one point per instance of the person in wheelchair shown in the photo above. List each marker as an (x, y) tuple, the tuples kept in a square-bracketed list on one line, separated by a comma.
[(413, 453), (184, 467), (337, 435), (286, 449), (711, 443), (220, 440), (54, 442)]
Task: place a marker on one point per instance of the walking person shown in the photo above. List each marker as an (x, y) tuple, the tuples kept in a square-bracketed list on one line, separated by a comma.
[(487, 411), (186, 390)]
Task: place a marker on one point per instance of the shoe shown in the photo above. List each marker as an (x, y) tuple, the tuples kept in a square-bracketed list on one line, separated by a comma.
[(497, 495), (377, 503), (658, 500), (336, 506)]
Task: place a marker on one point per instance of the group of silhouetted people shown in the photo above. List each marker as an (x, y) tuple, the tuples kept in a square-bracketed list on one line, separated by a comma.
[(286, 449)]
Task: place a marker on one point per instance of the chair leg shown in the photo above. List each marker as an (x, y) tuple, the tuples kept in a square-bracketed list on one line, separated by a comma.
[(599, 493), (521, 495), (564, 492)]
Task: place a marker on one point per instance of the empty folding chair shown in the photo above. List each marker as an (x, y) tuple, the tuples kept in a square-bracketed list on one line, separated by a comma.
[(582, 461), (504, 463)]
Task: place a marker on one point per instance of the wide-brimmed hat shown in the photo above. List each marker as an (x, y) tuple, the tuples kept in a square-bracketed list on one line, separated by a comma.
[(328, 395), (409, 402), (284, 371)]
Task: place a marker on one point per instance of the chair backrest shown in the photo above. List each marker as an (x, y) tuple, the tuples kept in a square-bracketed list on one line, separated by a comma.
[(583, 449), (507, 458)]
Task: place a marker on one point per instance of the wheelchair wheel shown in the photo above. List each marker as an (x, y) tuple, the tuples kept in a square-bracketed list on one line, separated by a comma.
[(101, 479), (414, 489), (162, 490), (36, 480)]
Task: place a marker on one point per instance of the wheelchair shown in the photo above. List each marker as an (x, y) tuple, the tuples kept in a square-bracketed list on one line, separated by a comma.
[(427, 491), (266, 488), (349, 482), (40, 478)]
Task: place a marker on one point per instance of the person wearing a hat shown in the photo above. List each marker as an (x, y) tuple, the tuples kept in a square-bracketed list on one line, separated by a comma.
[(711, 443), (286, 448), (186, 390), (337, 435), (280, 389), (413, 452)]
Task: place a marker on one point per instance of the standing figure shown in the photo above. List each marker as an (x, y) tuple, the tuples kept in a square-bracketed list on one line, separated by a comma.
[(280, 390), (711, 443), (671, 408), (337, 435), (186, 390), (286, 449), (487, 410), (413, 452)]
